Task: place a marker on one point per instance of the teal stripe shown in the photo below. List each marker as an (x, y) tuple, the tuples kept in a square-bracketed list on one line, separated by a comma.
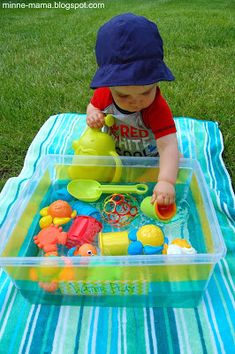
[(199, 325), (91, 331), (78, 334), (51, 328), (102, 331), (17, 327), (149, 329), (160, 330), (40, 329), (114, 334), (215, 336), (29, 328), (174, 332), (231, 286), (222, 323)]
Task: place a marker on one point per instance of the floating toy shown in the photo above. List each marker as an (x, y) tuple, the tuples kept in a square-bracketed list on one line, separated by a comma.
[(58, 213), (179, 246), (89, 190), (149, 239), (48, 275), (83, 230), (94, 142), (119, 209), (83, 208), (48, 239), (114, 243), (87, 250), (155, 211)]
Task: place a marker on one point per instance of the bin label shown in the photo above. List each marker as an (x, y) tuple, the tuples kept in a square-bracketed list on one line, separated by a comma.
[(133, 287)]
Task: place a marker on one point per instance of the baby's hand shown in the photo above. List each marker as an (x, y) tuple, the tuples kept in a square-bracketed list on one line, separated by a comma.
[(163, 193), (95, 119)]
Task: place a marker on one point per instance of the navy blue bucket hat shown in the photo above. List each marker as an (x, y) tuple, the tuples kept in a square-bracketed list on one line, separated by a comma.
[(129, 52)]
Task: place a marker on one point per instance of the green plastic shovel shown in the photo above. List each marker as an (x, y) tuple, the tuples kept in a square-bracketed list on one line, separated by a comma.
[(89, 190)]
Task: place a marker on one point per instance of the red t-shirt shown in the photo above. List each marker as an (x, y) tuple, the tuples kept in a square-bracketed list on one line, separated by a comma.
[(136, 133)]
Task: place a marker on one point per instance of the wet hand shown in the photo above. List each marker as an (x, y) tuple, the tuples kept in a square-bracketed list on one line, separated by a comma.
[(163, 193), (95, 119)]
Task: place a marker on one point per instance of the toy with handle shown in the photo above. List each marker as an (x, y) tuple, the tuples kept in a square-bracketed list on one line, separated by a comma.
[(94, 142), (89, 190)]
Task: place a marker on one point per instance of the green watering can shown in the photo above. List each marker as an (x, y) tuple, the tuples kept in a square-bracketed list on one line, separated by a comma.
[(94, 142)]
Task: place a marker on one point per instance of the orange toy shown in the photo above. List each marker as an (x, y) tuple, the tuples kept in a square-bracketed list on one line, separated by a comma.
[(58, 213), (165, 212), (50, 237), (85, 250)]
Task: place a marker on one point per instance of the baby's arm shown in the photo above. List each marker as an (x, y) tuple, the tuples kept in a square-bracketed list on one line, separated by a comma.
[(164, 191), (95, 118)]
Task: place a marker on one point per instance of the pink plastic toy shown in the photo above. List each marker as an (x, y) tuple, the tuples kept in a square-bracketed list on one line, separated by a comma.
[(83, 230)]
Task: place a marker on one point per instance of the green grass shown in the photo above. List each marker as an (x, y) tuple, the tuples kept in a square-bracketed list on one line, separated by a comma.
[(47, 61)]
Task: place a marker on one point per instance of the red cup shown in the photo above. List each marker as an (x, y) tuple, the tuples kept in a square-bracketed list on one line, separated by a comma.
[(83, 230)]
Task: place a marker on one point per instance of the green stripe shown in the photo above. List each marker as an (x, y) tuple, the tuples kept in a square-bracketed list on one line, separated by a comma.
[(210, 344), (84, 334), (71, 329), (194, 339)]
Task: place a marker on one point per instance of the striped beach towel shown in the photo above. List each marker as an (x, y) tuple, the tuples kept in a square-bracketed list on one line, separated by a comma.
[(209, 328)]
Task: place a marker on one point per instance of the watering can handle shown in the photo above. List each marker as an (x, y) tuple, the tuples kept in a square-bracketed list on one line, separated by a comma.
[(109, 120), (118, 169)]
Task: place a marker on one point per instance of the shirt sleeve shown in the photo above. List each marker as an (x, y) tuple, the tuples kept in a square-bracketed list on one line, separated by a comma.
[(101, 98), (158, 117)]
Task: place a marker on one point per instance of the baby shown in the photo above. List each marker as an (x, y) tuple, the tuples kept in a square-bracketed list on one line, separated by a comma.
[(129, 53)]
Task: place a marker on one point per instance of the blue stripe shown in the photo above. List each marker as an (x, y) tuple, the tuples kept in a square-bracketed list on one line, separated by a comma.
[(226, 296), (221, 319), (211, 323), (199, 326), (29, 329), (160, 330), (102, 331), (91, 330), (39, 332), (114, 334), (173, 329), (78, 333), (55, 312), (149, 329), (17, 327)]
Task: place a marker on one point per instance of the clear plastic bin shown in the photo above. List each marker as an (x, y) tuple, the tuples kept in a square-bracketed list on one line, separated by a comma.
[(141, 280)]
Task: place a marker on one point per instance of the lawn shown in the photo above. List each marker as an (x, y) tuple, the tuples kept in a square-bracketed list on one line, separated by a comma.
[(47, 61)]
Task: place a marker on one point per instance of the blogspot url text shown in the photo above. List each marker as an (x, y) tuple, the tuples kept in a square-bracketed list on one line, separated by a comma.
[(53, 5)]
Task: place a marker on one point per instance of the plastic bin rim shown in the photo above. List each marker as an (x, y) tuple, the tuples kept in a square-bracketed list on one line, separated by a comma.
[(184, 163)]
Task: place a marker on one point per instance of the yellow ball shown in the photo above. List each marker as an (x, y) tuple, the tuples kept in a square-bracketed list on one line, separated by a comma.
[(150, 235)]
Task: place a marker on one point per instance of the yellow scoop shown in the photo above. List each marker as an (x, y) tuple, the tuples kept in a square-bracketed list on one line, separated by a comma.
[(89, 190)]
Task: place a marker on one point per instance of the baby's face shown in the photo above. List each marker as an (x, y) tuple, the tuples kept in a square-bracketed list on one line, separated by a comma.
[(133, 98)]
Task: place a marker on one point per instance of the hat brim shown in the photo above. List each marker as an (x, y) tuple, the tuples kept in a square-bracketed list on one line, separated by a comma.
[(138, 73)]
